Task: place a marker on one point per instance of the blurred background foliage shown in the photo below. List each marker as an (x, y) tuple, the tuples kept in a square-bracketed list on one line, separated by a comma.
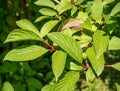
[(33, 75)]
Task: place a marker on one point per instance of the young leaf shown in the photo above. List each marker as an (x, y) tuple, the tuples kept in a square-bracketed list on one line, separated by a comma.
[(7, 87), (68, 82), (68, 44), (114, 43), (27, 25), (116, 9), (97, 10), (47, 11), (47, 3), (47, 27), (100, 42), (63, 6), (116, 66), (19, 35), (25, 53), (97, 63), (41, 18), (58, 63), (90, 76)]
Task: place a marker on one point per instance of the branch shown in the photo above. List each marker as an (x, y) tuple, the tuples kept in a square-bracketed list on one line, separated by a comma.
[(73, 2), (52, 48)]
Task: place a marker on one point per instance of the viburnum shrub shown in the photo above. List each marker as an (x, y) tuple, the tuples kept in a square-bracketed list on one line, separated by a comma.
[(77, 34)]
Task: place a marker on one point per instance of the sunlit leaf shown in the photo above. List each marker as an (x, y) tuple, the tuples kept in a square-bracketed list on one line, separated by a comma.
[(87, 24), (25, 53), (82, 16), (63, 6), (116, 66), (77, 2), (116, 9), (74, 66), (27, 25), (19, 35), (73, 10), (68, 44), (107, 1), (47, 11), (7, 87), (58, 63), (114, 43), (47, 3), (47, 27), (97, 10), (48, 88), (41, 18), (68, 82), (97, 63), (100, 42), (90, 76)]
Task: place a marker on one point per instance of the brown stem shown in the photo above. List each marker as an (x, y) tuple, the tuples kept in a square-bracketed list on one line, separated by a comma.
[(52, 48), (73, 2), (107, 66), (89, 45)]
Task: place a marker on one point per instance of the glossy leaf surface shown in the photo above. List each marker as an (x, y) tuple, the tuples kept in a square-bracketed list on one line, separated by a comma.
[(47, 27), (27, 25), (68, 44), (58, 63), (68, 82), (19, 35), (114, 43), (100, 42), (97, 63), (25, 53)]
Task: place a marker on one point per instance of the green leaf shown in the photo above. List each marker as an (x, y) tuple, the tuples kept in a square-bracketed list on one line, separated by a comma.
[(19, 35), (82, 16), (33, 82), (58, 63), (48, 88), (25, 53), (46, 28), (47, 3), (78, 2), (116, 66), (68, 44), (100, 42), (90, 76), (41, 18), (67, 83), (97, 63), (73, 10), (116, 9), (7, 87), (107, 1), (47, 11), (87, 24), (27, 25), (63, 6), (75, 66), (97, 10), (114, 43)]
